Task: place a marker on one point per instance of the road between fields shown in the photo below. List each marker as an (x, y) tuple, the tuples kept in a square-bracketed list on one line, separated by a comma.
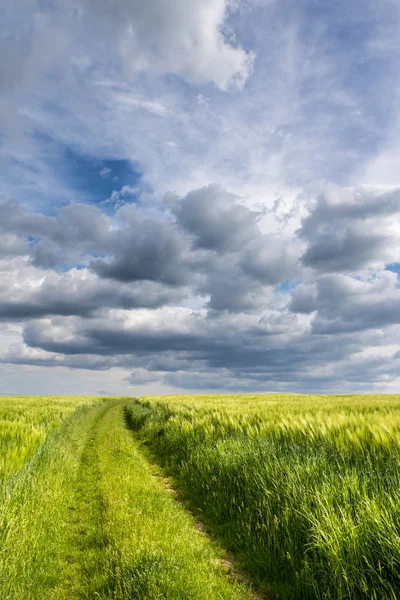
[(90, 520), (130, 538)]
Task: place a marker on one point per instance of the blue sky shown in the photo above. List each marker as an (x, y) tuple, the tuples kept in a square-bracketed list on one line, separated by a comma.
[(221, 172)]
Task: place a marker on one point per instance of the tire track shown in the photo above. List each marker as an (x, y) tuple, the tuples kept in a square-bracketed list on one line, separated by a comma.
[(89, 540)]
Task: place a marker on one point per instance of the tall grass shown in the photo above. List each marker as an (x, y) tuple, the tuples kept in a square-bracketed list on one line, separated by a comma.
[(306, 490), (36, 507), (86, 519), (24, 424)]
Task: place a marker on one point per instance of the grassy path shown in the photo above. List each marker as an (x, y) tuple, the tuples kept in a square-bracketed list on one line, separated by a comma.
[(88, 544), (91, 521)]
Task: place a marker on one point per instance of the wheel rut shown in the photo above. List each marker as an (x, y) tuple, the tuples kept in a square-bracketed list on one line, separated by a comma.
[(129, 537), (89, 540)]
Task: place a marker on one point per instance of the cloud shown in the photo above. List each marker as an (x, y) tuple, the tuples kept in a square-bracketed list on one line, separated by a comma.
[(271, 259), (349, 230), (230, 290), (118, 253), (146, 250), (183, 348), (207, 241), (28, 293), (181, 38), (78, 230), (304, 298), (141, 376), (119, 197), (215, 219), (30, 45), (124, 308), (186, 39), (344, 304)]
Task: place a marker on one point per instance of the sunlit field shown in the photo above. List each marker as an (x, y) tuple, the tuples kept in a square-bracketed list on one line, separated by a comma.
[(87, 516), (305, 490), (199, 497), (25, 423)]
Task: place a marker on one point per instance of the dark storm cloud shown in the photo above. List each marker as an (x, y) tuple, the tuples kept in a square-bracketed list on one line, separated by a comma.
[(345, 250), (178, 330), (356, 374), (335, 204), (360, 315), (215, 245), (235, 342), (242, 264)]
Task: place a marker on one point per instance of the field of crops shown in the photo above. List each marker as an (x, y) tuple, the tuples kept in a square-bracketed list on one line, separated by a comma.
[(25, 423), (200, 497)]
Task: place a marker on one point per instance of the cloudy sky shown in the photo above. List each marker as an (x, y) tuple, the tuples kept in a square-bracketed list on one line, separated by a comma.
[(199, 195)]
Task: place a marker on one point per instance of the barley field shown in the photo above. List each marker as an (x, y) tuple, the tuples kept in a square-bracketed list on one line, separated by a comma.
[(25, 423), (271, 496)]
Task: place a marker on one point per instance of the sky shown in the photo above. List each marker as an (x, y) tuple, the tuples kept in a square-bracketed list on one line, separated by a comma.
[(199, 195)]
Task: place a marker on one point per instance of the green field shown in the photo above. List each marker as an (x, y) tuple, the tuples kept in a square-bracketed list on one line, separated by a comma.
[(200, 497)]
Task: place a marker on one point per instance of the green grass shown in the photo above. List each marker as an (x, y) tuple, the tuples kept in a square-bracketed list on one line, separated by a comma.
[(305, 490), (86, 518), (25, 423)]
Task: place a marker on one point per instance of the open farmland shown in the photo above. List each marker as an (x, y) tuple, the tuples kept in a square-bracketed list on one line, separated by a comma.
[(199, 497), (87, 517), (24, 425)]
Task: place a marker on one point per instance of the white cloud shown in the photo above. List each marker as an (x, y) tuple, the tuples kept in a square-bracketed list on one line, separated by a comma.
[(182, 37), (186, 295), (119, 197)]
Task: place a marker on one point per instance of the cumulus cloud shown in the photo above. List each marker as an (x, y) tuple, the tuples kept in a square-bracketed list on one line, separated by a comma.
[(27, 292), (212, 244), (175, 328), (348, 304), (123, 307), (216, 220), (271, 259), (349, 230), (184, 348), (231, 290), (146, 250), (271, 279), (76, 232), (304, 298)]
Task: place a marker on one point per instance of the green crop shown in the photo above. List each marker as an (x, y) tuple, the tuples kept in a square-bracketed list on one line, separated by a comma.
[(25, 423), (304, 489), (87, 517), (302, 492)]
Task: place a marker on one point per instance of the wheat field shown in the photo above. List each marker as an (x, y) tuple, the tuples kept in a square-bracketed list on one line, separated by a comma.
[(196, 497)]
